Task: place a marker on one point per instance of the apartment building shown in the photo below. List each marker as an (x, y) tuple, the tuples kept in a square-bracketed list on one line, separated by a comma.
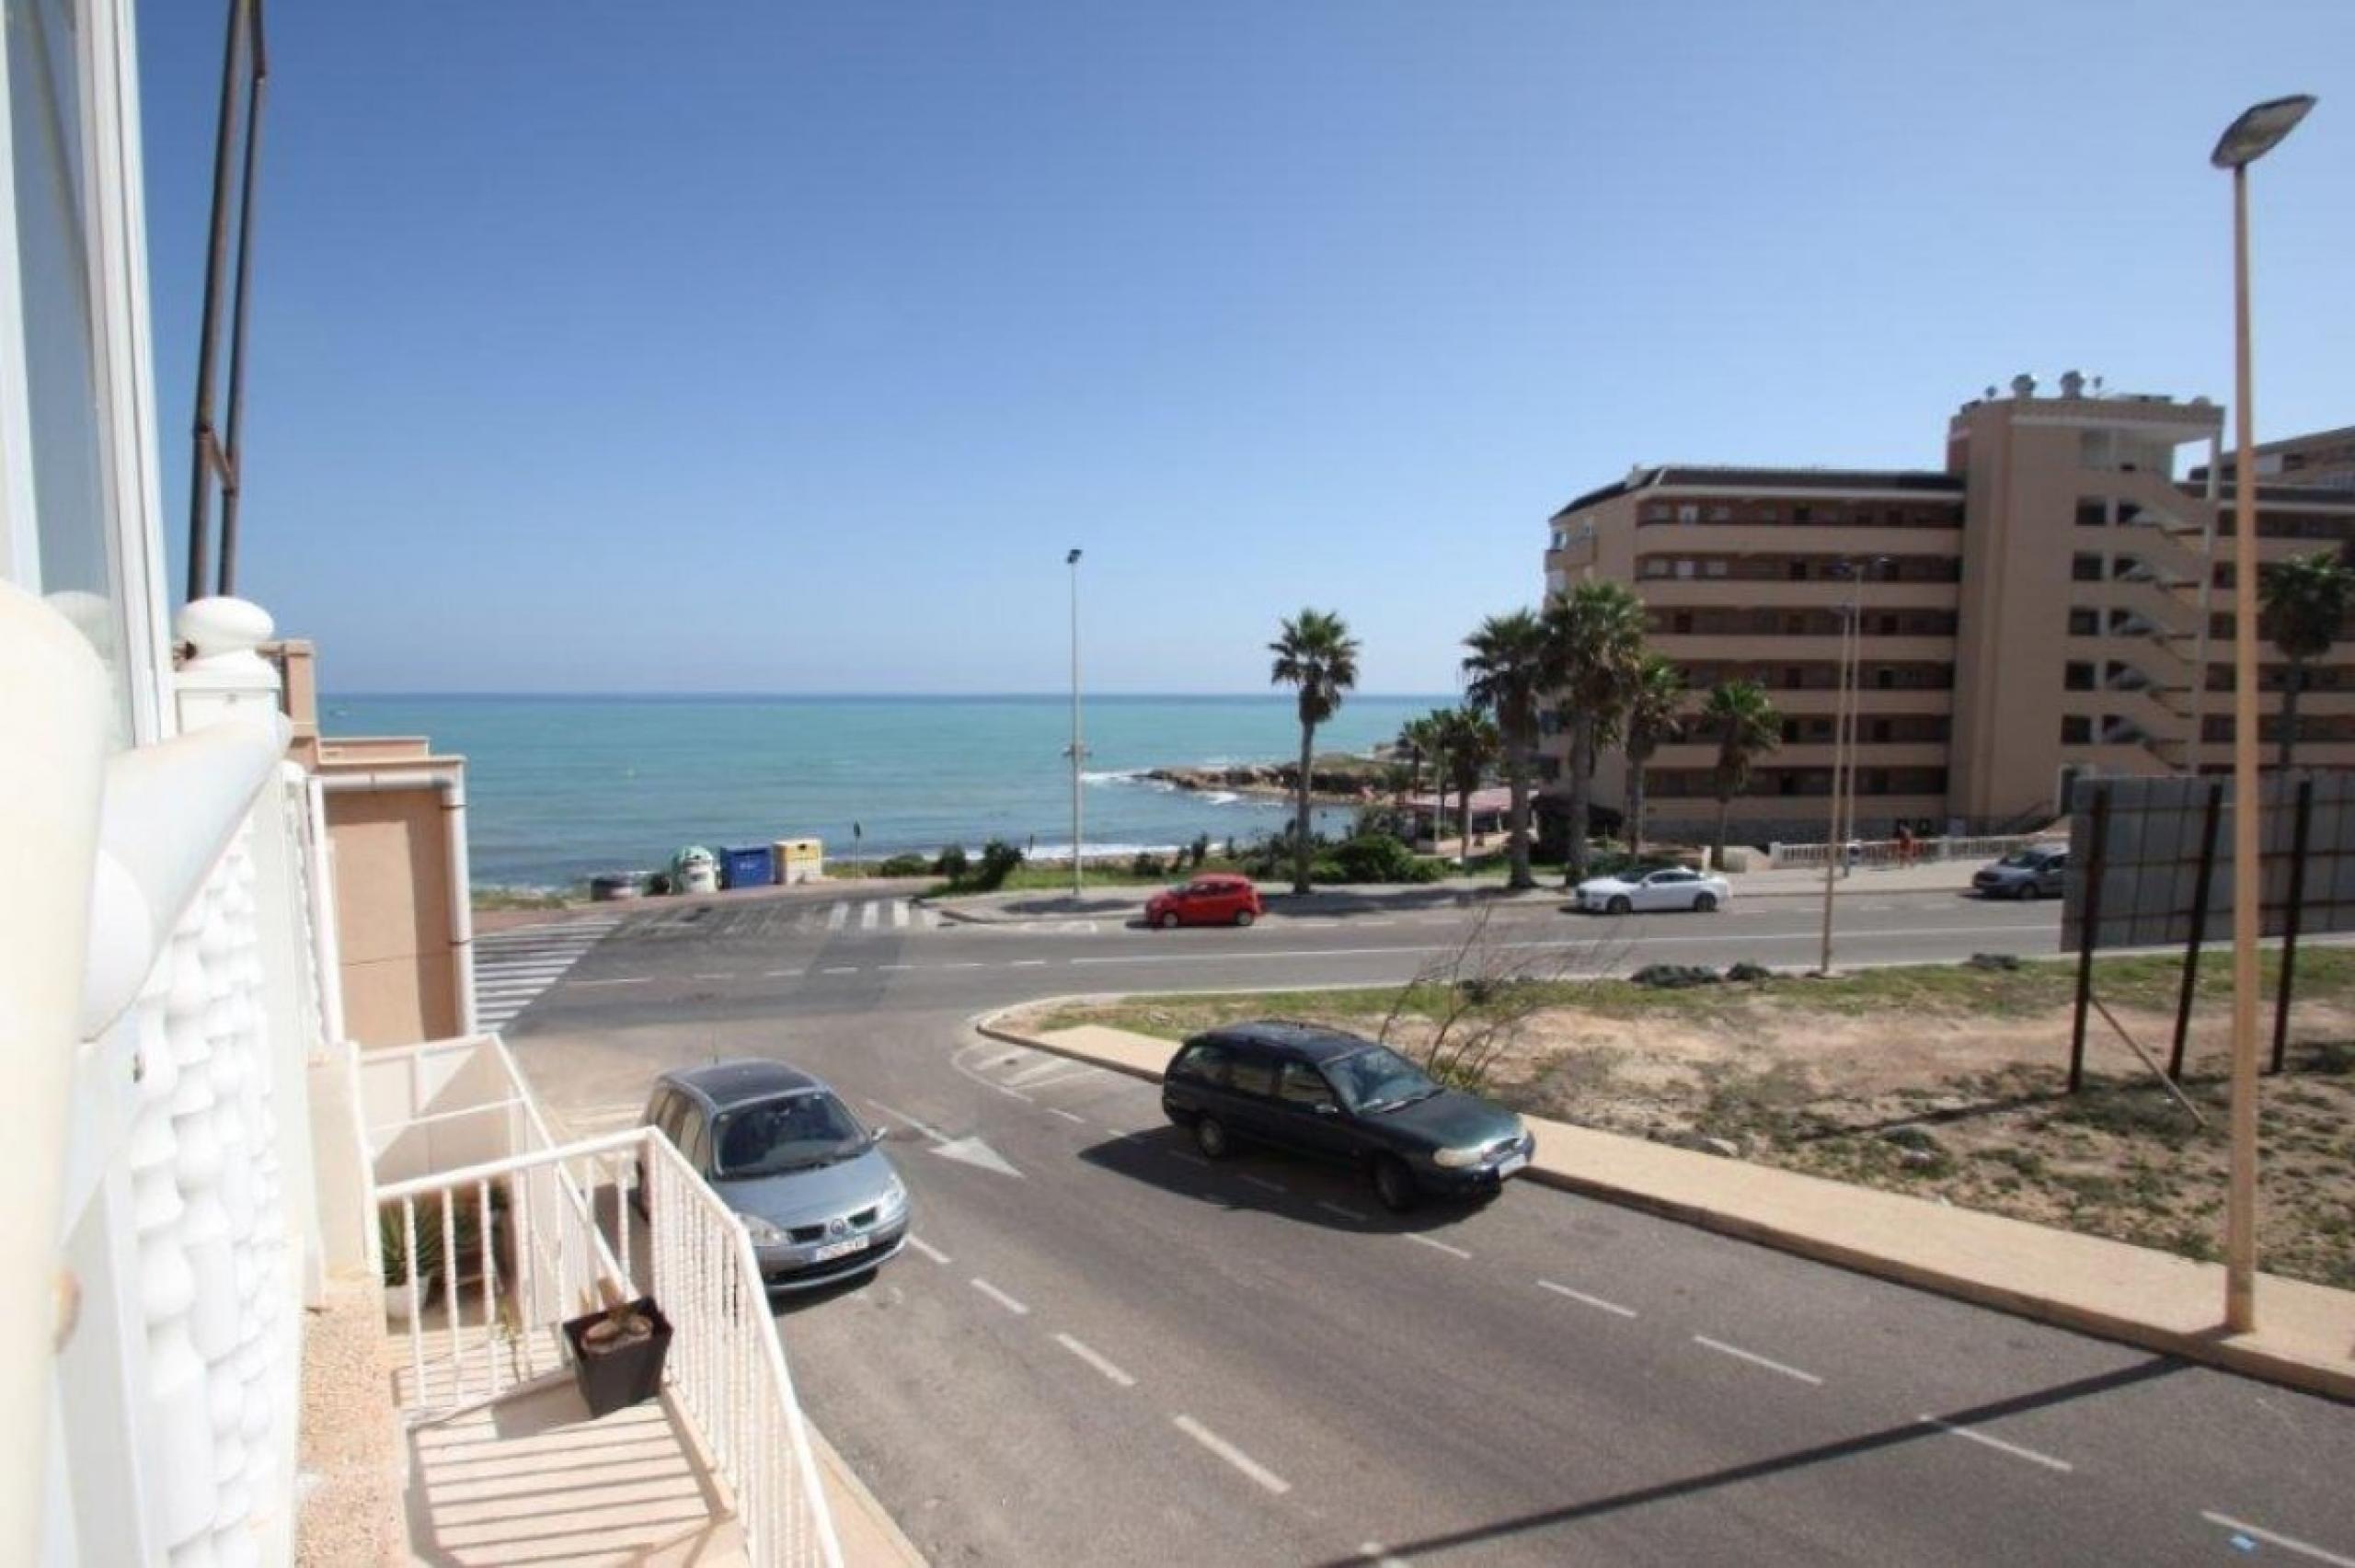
[(2051, 603)]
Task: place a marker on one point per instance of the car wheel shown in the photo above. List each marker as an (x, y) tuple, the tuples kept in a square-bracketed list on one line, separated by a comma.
[(1394, 1185), (1210, 1137), (1705, 903), (1169, 921), (2030, 892), (1619, 904), (1244, 917)]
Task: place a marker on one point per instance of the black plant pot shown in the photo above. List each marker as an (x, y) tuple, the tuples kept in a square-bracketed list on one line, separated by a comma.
[(626, 1374)]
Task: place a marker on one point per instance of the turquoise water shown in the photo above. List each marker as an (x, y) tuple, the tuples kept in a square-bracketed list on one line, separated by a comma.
[(559, 788)]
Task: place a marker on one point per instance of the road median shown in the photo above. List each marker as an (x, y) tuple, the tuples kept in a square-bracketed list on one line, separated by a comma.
[(2112, 1289)]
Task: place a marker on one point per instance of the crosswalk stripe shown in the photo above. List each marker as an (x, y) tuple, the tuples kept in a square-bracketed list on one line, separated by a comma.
[(899, 913), (868, 913), (514, 967), (837, 916)]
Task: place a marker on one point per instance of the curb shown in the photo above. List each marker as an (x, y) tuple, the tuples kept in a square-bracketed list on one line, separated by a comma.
[(892, 1549), (2205, 1347)]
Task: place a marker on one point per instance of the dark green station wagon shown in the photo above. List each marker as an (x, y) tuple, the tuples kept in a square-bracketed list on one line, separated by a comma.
[(1322, 1092)]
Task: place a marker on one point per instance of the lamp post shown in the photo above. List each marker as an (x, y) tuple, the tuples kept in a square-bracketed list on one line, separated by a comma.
[(1078, 750), (1847, 699), (2247, 139)]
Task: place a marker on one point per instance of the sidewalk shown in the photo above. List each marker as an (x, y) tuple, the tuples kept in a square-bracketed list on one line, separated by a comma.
[(2306, 1333), (1453, 892)]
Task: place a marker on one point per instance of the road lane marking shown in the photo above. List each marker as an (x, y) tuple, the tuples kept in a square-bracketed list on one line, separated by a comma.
[(1075, 1116), (1026, 964), (2287, 1543), (929, 1250), (868, 913), (930, 1131), (1190, 1159), (837, 917), (1263, 1182), (899, 913), (781, 974), (1344, 1210), (1093, 1359), (630, 980), (973, 966), (1378, 1556), (1230, 1454), (881, 967), (1436, 1245), (2047, 1460), (1594, 1301), (1048, 1068), (841, 970), (1000, 1296), (728, 975), (1757, 1360)]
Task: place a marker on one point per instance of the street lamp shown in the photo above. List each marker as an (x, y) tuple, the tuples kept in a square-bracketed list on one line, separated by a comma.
[(1078, 750), (1846, 700), (2247, 139)]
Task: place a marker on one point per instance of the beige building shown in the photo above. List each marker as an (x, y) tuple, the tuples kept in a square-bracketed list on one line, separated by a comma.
[(2031, 613)]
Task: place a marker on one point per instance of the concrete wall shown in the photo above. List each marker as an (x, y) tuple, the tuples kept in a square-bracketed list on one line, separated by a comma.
[(399, 951)]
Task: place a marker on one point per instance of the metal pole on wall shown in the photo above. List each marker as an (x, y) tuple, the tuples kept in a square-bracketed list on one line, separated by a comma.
[(2290, 921), (1078, 750), (1831, 839), (2205, 880), (2244, 140), (2089, 932)]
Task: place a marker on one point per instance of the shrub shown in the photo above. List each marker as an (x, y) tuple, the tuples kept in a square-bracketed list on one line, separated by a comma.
[(1674, 977), (1376, 857), (1200, 850), (1146, 864), (998, 861), (903, 866), (1746, 972), (952, 863)]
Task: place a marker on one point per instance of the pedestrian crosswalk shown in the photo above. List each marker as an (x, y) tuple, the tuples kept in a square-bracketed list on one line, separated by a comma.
[(513, 966), (783, 918)]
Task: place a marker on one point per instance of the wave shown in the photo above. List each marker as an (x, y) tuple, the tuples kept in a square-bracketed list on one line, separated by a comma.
[(1117, 775)]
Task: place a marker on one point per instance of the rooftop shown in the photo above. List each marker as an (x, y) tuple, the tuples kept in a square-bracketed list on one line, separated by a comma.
[(724, 1083), (1675, 476)]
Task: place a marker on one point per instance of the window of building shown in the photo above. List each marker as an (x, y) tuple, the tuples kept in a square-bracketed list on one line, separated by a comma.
[(1791, 676), (1880, 731), (2077, 729), (1683, 623), (2084, 623), (1684, 569), (1721, 514), (1716, 569), (1690, 511), (1802, 514), (1799, 571), (2085, 568), (2077, 676), (1885, 677), (1654, 566), (1655, 512), (1561, 538)]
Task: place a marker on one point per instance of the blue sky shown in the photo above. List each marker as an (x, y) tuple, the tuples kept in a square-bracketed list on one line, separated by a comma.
[(787, 347)]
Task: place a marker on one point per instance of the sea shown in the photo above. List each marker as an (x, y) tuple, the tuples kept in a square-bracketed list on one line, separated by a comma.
[(562, 788)]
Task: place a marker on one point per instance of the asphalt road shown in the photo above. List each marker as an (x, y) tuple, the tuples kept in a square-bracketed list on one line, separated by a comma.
[(1101, 1348)]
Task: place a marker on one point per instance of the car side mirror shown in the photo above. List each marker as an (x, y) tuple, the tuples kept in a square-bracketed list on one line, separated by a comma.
[(877, 1135), (1324, 1108)]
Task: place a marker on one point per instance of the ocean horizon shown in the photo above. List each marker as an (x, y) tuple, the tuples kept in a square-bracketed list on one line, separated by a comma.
[(562, 786)]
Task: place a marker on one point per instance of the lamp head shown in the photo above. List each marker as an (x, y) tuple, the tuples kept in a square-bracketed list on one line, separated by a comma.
[(2258, 130)]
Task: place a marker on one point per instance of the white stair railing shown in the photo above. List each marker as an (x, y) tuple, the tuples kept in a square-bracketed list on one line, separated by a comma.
[(557, 1244)]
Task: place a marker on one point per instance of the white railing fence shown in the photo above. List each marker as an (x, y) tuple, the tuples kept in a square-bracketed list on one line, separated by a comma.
[(515, 1247), (1888, 851)]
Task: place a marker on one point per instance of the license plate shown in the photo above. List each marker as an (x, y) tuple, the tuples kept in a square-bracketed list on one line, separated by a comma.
[(1510, 1164), (834, 1250)]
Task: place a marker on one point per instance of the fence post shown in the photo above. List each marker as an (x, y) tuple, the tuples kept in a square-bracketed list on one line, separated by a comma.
[(2089, 927), (2290, 926), (2199, 928)]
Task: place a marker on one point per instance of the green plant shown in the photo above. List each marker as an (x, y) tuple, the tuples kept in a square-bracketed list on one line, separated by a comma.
[(1146, 864), (2307, 599), (1747, 726), (1200, 851), (1377, 857), (952, 863), (392, 1246), (902, 865), (1674, 977), (1595, 646), (997, 862), (1509, 673), (1654, 716), (1316, 655)]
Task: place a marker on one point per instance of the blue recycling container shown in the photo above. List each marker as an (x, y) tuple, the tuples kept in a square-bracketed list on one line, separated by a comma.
[(748, 868)]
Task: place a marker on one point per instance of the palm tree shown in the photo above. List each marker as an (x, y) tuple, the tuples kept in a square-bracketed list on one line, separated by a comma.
[(1436, 726), (2307, 599), (1507, 666), (1472, 745), (1747, 727), (1596, 642), (1316, 655), (1652, 719)]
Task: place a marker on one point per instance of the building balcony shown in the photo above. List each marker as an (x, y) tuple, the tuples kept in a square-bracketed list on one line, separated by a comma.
[(1813, 754), (1793, 538), (1770, 647), (1780, 593)]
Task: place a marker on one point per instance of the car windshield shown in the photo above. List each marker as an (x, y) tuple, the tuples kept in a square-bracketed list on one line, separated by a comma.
[(1378, 1079), (793, 1133), (2023, 858)]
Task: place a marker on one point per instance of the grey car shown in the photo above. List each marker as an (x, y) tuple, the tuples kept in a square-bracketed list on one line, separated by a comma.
[(2039, 871), (821, 1202)]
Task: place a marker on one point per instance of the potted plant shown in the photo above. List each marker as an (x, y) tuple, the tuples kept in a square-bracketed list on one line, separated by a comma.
[(393, 1253), (618, 1352)]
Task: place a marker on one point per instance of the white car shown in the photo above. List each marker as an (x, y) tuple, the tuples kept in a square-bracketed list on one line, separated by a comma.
[(1672, 889)]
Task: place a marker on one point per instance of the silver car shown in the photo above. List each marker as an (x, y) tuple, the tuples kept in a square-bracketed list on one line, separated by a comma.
[(2039, 871), (821, 1202)]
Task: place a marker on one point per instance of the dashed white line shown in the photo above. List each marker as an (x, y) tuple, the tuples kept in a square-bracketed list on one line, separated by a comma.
[(1067, 1116), (1580, 1296), (841, 970), (1344, 1210), (2047, 1460), (1095, 1360), (1230, 1454), (1190, 1159), (1263, 1182), (1436, 1245), (728, 976), (1757, 1360), (2287, 1543), (1000, 1296), (1026, 964), (781, 974), (975, 965), (895, 966), (929, 1250), (632, 980)]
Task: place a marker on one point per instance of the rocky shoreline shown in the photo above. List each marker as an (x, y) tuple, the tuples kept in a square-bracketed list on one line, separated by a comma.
[(1332, 781)]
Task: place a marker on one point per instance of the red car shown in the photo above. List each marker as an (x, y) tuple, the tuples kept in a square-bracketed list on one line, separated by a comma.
[(1206, 900)]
